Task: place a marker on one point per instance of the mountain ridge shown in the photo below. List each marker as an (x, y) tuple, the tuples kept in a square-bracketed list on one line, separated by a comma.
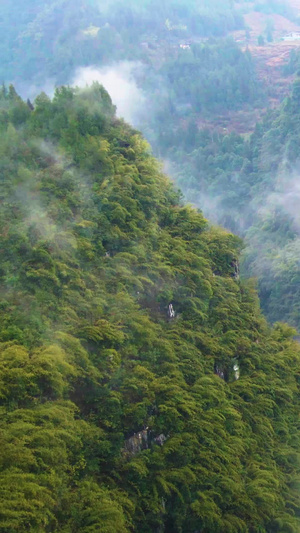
[(115, 414)]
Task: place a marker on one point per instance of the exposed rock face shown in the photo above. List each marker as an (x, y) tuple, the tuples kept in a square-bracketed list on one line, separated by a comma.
[(236, 266), (161, 439), (236, 369), (142, 440), (219, 372), (225, 373), (137, 443), (232, 269), (171, 311)]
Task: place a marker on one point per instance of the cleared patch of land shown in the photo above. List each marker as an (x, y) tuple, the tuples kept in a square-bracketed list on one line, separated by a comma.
[(284, 36)]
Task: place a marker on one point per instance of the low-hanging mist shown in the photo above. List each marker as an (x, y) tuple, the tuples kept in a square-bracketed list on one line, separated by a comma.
[(118, 79)]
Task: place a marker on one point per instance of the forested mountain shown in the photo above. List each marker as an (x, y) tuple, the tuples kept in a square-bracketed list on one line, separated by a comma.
[(204, 80), (140, 387), (143, 387), (190, 72), (250, 185), (49, 40)]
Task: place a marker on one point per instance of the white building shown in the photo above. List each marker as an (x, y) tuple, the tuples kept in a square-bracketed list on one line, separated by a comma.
[(294, 36)]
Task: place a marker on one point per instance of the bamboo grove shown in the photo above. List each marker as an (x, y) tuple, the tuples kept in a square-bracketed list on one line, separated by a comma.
[(140, 387)]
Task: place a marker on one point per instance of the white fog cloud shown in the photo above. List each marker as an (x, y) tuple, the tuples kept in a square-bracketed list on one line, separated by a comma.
[(118, 80), (286, 196)]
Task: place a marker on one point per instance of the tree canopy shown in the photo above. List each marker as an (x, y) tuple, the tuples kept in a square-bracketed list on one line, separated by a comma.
[(140, 387)]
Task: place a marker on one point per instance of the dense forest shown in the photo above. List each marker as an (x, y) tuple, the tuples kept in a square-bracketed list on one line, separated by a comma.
[(39, 43), (141, 388), (250, 186), (206, 79), (147, 382)]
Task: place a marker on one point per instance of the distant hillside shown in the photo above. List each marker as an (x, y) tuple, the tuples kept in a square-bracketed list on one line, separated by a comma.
[(277, 26), (46, 42)]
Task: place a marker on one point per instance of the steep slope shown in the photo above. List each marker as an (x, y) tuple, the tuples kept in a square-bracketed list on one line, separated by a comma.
[(140, 388), (251, 186), (46, 42)]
